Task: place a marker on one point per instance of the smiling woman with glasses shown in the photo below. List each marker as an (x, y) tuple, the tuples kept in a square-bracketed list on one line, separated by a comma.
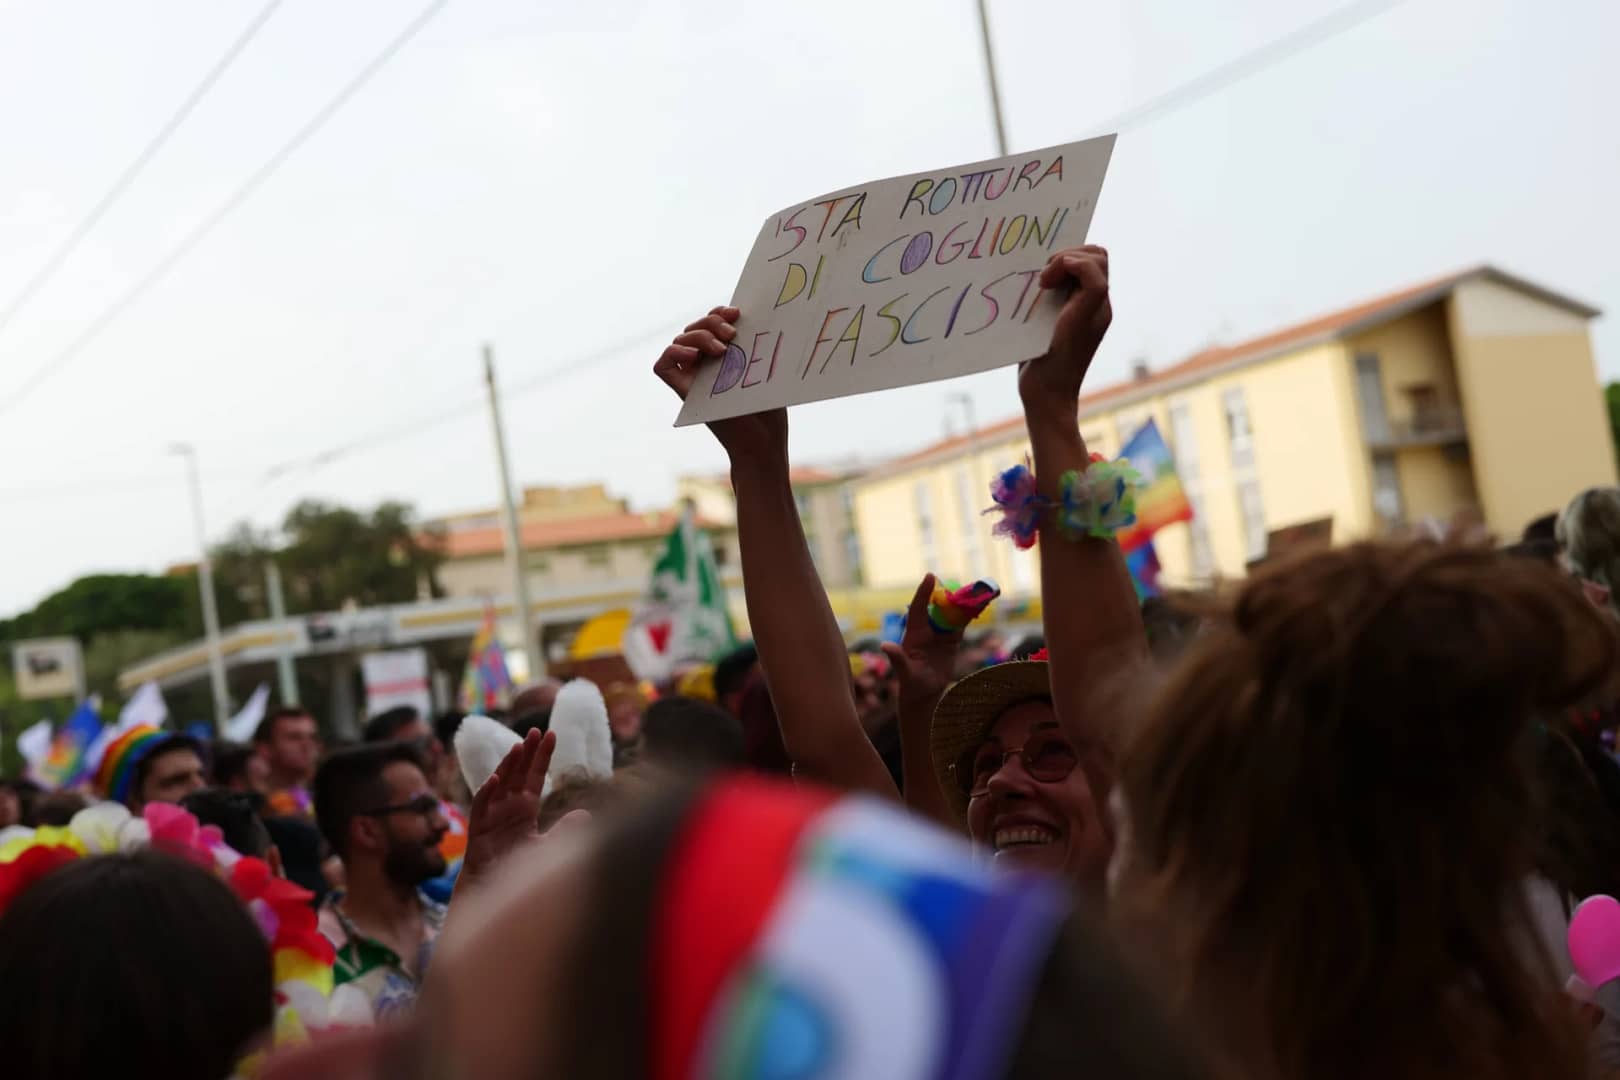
[(1009, 772)]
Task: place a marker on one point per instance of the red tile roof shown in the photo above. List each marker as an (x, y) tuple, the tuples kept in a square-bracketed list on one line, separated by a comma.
[(1326, 327), (567, 532)]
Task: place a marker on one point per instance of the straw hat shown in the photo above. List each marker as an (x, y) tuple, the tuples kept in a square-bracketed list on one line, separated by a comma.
[(970, 708)]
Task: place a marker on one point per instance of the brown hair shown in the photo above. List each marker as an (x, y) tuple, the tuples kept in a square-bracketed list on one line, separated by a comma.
[(1330, 816), (1085, 1008)]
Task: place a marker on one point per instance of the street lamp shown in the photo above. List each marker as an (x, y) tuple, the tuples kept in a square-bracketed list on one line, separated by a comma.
[(205, 579)]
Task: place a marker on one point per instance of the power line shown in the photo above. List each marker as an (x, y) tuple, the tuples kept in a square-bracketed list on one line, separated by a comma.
[(403, 431), (111, 313), (1275, 51), (1199, 87), (136, 167), (409, 429)]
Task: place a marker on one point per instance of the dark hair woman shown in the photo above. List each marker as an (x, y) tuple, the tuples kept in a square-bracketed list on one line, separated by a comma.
[(131, 965), (1328, 818)]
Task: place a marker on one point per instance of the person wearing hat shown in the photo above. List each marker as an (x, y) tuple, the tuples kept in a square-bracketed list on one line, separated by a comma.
[(1090, 612), (146, 764), (1011, 775)]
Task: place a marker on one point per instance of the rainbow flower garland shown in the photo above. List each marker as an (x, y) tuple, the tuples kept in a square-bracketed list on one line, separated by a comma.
[(301, 958), (1094, 502)]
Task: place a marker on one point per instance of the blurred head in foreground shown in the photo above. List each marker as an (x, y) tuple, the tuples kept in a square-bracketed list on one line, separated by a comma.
[(1326, 820), (844, 938), (131, 965)]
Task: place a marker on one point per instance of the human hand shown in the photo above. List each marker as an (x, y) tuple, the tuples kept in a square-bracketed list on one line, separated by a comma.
[(760, 436), (925, 659), (1081, 324), (506, 809)]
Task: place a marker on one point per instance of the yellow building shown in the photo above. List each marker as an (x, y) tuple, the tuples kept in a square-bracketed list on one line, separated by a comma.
[(825, 507), (1475, 392)]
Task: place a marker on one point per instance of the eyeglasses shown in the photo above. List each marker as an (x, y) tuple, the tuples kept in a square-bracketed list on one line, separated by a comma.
[(1046, 757), (423, 804)]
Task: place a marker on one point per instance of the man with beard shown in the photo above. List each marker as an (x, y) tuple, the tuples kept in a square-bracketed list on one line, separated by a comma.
[(380, 815)]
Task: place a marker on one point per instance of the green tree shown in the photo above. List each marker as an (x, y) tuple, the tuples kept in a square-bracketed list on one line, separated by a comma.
[(334, 555), (101, 602), (1611, 394), (328, 554)]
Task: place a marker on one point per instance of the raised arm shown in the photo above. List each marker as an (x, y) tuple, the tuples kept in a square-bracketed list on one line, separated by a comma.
[(924, 661), (1089, 611), (800, 646)]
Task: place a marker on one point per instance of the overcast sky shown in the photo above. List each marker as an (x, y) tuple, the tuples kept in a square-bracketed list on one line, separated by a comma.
[(573, 182)]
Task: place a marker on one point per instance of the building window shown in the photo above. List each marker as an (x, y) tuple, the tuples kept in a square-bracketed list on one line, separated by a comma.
[(846, 501), (1254, 518), (598, 556), (925, 523), (1184, 445), (1183, 442), (1370, 396), (1200, 556), (537, 564), (852, 556), (1387, 491), (1238, 430), (971, 545)]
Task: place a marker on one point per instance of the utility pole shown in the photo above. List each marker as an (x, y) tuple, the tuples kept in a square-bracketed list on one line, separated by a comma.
[(982, 489), (514, 538), (205, 579), (286, 677), (995, 85)]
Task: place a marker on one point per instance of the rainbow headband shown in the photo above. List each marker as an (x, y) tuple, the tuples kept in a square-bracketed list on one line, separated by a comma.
[(116, 773), (838, 937)]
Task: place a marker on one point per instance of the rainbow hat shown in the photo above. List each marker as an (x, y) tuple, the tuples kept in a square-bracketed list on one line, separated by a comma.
[(116, 773)]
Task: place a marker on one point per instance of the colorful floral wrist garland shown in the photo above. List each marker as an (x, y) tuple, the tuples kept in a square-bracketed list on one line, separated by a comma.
[(1097, 502), (301, 958)]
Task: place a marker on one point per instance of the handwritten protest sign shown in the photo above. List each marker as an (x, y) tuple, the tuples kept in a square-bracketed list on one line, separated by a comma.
[(902, 281)]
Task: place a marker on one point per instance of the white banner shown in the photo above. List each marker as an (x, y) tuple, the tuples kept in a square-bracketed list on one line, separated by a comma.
[(397, 677), (903, 281)]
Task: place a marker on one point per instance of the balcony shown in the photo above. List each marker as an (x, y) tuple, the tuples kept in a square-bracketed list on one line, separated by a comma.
[(1432, 425)]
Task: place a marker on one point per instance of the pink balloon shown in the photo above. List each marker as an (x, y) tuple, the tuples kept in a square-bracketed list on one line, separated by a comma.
[(1594, 940)]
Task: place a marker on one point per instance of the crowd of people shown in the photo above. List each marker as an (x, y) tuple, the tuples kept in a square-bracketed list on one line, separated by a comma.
[(1330, 821)]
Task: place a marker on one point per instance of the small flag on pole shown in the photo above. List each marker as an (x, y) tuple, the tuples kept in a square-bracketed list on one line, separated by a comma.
[(240, 728), (1160, 501), (34, 743), (66, 760), (683, 616), (486, 682), (1143, 563)]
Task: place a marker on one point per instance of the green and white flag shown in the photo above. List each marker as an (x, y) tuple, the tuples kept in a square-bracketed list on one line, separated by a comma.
[(683, 616)]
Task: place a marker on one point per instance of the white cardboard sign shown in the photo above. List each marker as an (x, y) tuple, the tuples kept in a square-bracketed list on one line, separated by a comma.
[(397, 677), (902, 281)]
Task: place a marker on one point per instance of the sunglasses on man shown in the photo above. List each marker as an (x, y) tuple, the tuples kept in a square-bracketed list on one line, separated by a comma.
[(424, 804)]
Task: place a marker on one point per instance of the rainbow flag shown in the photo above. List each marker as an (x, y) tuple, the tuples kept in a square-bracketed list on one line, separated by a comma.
[(486, 682), (67, 761), (1160, 500), (1143, 563)]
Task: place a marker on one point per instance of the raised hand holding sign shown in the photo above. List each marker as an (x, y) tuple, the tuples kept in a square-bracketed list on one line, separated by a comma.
[(901, 281)]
